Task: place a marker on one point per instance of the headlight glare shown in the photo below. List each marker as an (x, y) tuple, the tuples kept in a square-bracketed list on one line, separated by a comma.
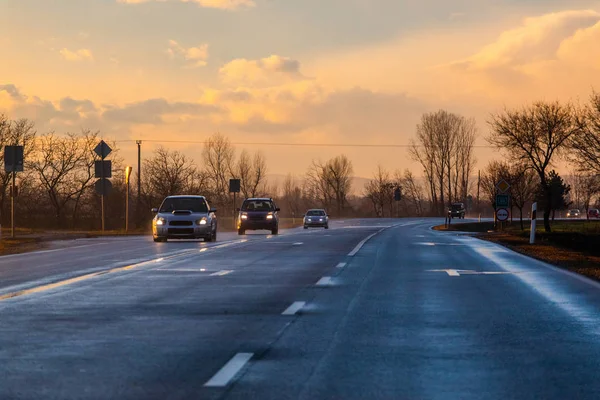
[(202, 221), (160, 221)]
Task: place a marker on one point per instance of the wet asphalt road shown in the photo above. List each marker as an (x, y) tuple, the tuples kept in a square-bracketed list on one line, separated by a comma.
[(409, 314)]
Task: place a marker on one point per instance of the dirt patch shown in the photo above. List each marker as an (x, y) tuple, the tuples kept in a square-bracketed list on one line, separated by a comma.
[(20, 245)]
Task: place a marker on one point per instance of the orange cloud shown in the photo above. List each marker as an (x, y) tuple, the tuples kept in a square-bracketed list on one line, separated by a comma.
[(272, 70), (77, 55), (194, 56), (220, 4)]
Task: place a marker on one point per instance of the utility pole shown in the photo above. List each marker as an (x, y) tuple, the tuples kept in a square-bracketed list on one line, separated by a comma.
[(478, 186), (138, 207), (127, 175)]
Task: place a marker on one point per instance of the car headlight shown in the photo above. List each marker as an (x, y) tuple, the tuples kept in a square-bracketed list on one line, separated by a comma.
[(269, 216), (244, 216), (202, 221), (160, 221), (320, 219)]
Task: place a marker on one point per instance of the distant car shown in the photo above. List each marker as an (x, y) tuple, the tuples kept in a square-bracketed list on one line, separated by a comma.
[(593, 213), (184, 217), (574, 213), (256, 214), (316, 218), (457, 210)]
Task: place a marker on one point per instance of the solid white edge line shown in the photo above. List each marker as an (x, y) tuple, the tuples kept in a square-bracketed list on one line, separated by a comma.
[(294, 308), (229, 370), (222, 272), (341, 265), (324, 281), (362, 243)]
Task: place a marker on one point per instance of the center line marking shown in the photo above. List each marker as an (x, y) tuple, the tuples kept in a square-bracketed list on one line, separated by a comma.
[(294, 308), (341, 265), (221, 273), (229, 370), (325, 281)]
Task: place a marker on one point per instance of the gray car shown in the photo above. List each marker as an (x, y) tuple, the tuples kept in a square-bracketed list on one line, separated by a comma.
[(184, 217), (316, 218)]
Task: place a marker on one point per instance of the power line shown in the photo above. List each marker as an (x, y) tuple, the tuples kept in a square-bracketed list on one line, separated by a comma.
[(287, 144)]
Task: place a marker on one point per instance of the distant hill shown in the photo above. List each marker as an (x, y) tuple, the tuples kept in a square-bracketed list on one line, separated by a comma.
[(358, 183)]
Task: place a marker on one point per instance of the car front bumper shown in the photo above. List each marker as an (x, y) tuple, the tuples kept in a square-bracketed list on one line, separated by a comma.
[(315, 223), (256, 225), (182, 232)]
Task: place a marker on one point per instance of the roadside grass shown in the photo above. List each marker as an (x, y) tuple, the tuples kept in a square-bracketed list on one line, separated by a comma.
[(573, 245), (20, 245)]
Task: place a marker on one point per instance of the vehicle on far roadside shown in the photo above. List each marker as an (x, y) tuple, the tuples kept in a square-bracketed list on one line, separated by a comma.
[(457, 210), (593, 213), (316, 218), (574, 213), (184, 217), (257, 214)]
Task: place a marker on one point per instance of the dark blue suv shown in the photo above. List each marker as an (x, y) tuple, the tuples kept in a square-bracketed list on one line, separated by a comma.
[(258, 213)]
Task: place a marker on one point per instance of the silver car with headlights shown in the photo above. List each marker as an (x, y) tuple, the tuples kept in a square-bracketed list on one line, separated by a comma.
[(316, 218), (184, 217)]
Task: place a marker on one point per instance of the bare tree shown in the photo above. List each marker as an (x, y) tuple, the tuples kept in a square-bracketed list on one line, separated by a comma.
[(534, 136), (584, 187), (524, 185), (14, 133), (218, 157), (58, 161), (292, 195), (493, 173), (412, 192), (252, 173), (585, 144), (444, 148), (170, 173), (379, 191), (338, 173)]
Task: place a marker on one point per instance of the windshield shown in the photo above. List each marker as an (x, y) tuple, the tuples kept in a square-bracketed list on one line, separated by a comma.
[(193, 204), (257, 205), (457, 206), (574, 211), (315, 213)]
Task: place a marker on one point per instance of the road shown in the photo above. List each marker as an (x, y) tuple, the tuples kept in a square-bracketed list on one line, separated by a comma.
[(369, 309)]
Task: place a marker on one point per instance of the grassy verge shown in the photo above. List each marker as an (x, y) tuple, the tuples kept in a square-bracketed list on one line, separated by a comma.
[(572, 245), (20, 245)]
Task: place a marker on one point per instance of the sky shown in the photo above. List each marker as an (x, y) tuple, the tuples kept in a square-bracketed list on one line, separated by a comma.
[(289, 71)]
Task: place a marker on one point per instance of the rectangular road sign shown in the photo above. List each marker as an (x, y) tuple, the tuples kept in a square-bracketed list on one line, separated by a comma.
[(234, 185), (105, 165), (13, 158), (502, 200)]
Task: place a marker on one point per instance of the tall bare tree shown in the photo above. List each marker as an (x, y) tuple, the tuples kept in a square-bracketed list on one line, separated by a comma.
[(218, 157), (252, 172), (444, 148), (338, 172), (524, 185), (585, 144), (535, 136)]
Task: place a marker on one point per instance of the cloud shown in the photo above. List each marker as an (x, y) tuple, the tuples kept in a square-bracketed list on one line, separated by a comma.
[(193, 56), (77, 55), (219, 4), (270, 70), (14, 93), (537, 39), (152, 111)]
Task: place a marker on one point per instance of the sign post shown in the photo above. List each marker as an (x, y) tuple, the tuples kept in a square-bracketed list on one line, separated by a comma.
[(533, 223), (234, 187), (13, 162), (127, 175), (103, 171), (397, 198)]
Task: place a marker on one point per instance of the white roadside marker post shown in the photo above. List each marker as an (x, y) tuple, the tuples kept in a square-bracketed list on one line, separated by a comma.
[(533, 223)]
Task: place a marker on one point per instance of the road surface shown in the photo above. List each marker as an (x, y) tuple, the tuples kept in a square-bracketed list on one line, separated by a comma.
[(369, 309)]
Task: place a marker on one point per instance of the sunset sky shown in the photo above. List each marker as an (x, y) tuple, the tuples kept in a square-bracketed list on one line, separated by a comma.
[(318, 71)]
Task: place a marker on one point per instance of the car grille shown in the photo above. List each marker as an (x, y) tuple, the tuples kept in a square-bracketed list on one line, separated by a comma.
[(181, 231), (257, 218), (180, 223)]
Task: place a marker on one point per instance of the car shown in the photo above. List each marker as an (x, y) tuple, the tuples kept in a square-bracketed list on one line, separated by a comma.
[(317, 218), (574, 213), (257, 214), (593, 213), (457, 210), (184, 217)]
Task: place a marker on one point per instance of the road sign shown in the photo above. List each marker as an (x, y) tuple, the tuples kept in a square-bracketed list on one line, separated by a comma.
[(503, 186), (502, 214), (105, 165), (234, 185), (103, 150), (502, 200), (13, 158), (397, 194), (105, 189)]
